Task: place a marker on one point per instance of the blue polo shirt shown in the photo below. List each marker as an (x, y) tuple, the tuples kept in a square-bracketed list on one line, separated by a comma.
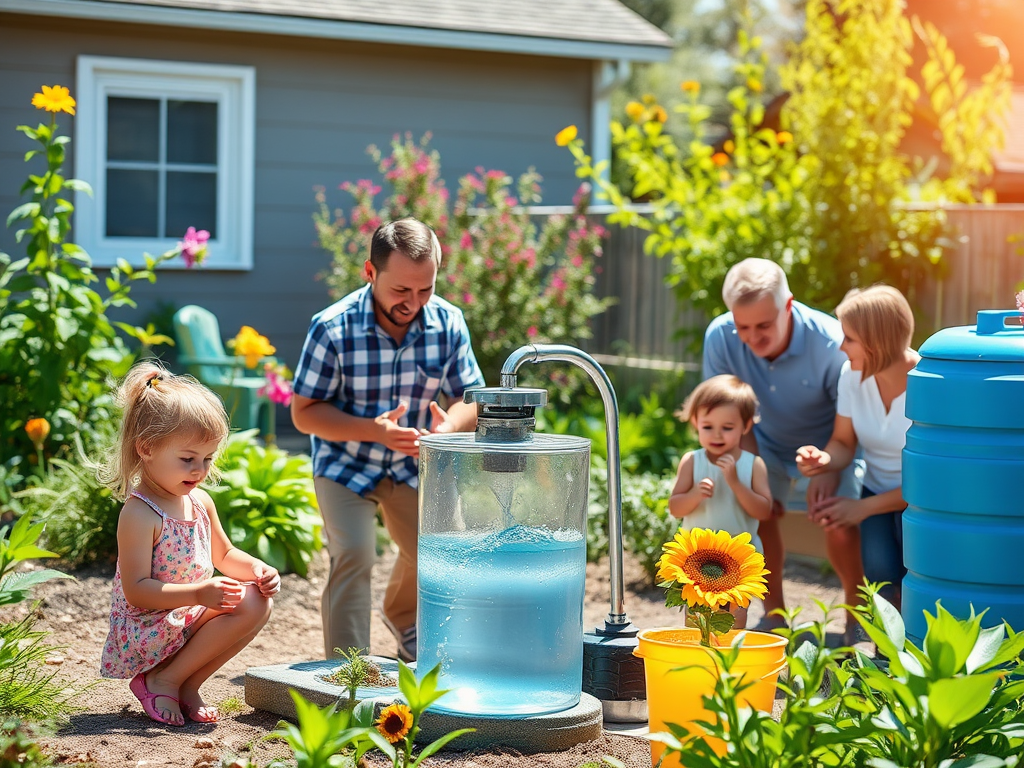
[(797, 390), (351, 362)]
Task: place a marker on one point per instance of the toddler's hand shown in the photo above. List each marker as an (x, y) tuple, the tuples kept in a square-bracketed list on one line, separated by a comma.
[(727, 464), (267, 579), (706, 487), (811, 460), (221, 593)]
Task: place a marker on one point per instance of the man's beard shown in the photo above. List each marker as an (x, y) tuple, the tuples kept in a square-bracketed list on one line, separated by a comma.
[(391, 317)]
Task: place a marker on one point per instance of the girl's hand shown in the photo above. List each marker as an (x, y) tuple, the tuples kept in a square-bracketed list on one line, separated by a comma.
[(727, 464), (221, 593), (811, 460), (706, 487), (838, 512), (267, 579)]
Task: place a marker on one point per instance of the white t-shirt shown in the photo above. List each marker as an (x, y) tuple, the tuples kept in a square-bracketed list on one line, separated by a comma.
[(881, 435)]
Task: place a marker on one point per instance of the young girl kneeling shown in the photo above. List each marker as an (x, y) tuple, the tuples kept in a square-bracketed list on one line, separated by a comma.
[(721, 486), (172, 622)]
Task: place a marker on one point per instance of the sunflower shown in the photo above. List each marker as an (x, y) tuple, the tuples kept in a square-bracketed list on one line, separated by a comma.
[(394, 722), (713, 568), (55, 99)]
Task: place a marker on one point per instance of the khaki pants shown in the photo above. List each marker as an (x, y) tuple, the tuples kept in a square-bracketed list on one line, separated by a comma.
[(350, 528)]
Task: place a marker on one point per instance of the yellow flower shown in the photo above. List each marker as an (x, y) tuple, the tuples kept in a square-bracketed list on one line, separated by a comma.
[(37, 431), (783, 137), (713, 568), (648, 99), (635, 110), (659, 114), (394, 722), (720, 158), (690, 86), (55, 99), (729, 146), (754, 85), (564, 136), (252, 346)]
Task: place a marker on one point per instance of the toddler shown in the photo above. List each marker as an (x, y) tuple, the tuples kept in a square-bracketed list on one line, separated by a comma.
[(721, 486), (172, 622)]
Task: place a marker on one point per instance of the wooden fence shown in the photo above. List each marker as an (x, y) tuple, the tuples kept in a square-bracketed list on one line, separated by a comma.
[(641, 329)]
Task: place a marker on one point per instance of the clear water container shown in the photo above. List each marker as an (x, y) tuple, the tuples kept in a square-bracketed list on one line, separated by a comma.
[(502, 560)]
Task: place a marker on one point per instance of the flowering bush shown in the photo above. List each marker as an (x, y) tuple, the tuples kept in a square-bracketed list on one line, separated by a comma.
[(253, 346), (516, 282), (58, 348)]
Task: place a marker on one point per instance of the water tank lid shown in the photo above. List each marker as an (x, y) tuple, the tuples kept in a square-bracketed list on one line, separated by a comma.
[(998, 337)]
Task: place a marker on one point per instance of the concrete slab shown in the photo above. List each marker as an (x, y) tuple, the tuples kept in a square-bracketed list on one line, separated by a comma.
[(267, 688)]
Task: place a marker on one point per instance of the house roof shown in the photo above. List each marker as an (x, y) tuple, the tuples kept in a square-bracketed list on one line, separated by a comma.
[(589, 29)]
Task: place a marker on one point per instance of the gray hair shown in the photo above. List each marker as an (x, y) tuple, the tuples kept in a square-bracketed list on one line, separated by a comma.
[(753, 279)]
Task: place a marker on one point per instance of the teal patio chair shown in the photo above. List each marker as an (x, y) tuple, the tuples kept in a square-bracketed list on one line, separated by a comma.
[(201, 352)]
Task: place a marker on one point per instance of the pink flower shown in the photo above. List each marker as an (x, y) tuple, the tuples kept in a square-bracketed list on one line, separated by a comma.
[(577, 261), (466, 241), (278, 387), (467, 298), (531, 331), (558, 283), (489, 263), (193, 247)]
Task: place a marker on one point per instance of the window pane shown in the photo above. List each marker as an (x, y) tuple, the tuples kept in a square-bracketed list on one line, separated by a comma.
[(191, 202), (133, 129), (132, 203), (192, 132)]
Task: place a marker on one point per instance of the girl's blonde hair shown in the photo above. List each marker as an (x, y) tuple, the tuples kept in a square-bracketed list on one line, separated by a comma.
[(717, 391), (155, 406), (883, 321)]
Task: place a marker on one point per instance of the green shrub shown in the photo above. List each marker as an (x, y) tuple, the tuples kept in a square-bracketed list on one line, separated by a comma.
[(267, 504), (27, 690), (80, 513), (19, 746), (957, 701)]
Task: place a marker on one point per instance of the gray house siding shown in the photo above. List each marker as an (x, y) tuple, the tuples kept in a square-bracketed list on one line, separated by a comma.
[(319, 103)]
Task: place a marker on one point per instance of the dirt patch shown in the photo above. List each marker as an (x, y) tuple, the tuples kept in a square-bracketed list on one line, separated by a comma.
[(111, 729)]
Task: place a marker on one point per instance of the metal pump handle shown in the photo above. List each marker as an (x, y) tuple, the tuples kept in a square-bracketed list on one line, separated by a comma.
[(539, 353)]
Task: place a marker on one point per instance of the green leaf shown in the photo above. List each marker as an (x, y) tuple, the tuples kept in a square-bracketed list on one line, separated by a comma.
[(722, 622), (434, 746), (986, 648), (890, 619), (954, 700)]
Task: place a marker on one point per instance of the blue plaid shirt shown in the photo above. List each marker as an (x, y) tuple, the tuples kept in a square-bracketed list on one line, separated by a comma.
[(350, 361)]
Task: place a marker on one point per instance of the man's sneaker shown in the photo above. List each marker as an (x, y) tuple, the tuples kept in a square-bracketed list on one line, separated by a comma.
[(406, 639)]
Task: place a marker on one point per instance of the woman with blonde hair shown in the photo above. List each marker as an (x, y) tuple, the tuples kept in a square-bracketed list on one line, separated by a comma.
[(877, 327)]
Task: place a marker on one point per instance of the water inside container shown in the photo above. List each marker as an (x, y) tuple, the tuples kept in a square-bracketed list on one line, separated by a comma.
[(502, 612)]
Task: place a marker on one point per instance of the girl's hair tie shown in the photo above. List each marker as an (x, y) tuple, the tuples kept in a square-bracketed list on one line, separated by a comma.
[(154, 380)]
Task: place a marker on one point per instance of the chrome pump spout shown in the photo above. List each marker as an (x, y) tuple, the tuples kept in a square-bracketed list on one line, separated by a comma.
[(540, 353)]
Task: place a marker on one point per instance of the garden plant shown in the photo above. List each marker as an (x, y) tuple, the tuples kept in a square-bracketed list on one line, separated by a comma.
[(827, 193)]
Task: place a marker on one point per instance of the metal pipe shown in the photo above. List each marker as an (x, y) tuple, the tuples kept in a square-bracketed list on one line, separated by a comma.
[(539, 353)]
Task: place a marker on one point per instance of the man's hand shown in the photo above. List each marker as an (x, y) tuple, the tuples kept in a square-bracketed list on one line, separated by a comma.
[(837, 512), (402, 439), (811, 460), (439, 419)]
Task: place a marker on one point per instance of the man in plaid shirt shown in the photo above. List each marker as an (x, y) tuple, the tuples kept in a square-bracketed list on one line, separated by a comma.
[(365, 389)]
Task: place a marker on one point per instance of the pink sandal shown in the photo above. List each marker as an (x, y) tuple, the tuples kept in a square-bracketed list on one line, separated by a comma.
[(148, 700)]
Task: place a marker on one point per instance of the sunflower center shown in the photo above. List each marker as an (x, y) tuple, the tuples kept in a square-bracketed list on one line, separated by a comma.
[(712, 571), (394, 723)]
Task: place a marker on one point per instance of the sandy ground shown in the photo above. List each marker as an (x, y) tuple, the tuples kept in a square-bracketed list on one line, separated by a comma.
[(111, 729)]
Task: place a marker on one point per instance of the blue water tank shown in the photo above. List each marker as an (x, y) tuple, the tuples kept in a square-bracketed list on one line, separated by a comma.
[(963, 474)]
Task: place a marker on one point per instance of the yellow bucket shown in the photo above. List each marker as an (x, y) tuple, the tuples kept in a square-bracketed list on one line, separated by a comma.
[(676, 696)]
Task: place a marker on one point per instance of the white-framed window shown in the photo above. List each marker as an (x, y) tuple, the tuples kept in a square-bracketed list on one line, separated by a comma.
[(166, 145)]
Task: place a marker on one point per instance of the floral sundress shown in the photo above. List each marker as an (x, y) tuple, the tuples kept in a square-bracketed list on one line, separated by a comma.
[(139, 639)]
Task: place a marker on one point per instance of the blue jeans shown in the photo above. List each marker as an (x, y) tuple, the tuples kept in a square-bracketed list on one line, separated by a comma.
[(881, 548)]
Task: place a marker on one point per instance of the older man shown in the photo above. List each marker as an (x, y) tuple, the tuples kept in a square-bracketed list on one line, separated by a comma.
[(789, 353)]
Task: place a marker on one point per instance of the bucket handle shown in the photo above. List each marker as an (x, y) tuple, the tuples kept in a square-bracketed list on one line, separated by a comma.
[(994, 320)]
